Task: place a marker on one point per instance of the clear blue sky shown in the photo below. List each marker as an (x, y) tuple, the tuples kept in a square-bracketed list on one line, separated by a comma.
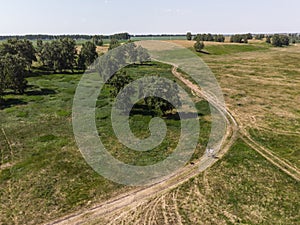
[(144, 16)]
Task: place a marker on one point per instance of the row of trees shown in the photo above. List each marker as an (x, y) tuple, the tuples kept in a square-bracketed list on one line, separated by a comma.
[(62, 54), (205, 37), (241, 38), (259, 36), (120, 36), (293, 38), (17, 56), (210, 37)]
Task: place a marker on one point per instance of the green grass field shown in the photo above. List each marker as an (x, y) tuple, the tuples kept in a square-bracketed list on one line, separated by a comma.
[(44, 172), (234, 48), (260, 85), (242, 188), (43, 175)]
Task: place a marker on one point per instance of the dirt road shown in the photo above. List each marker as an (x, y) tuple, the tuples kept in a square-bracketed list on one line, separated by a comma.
[(140, 195)]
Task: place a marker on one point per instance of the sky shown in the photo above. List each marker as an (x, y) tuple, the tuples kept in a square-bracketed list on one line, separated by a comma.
[(148, 17)]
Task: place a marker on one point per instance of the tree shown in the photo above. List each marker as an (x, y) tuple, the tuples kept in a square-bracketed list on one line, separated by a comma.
[(285, 40), (120, 36), (59, 54), (119, 81), (100, 42), (219, 38), (114, 43), (280, 40), (13, 73), (68, 52), (189, 36), (198, 46), (23, 48), (97, 40), (259, 36), (249, 36), (276, 41), (39, 47), (87, 55), (159, 87), (3, 79)]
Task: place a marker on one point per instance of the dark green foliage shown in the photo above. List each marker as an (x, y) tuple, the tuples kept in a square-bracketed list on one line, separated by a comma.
[(158, 87), (294, 38), (119, 81), (280, 40), (219, 38), (59, 55), (97, 40), (22, 48), (249, 36), (268, 40), (210, 37), (87, 55), (240, 38), (114, 43), (189, 36), (120, 36), (13, 73), (259, 36), (198, 46)]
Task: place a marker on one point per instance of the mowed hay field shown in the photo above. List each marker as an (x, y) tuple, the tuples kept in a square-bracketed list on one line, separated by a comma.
[(261, 85), (242, 188)]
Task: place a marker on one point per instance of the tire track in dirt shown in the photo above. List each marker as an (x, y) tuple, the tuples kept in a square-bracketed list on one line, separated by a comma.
[(135, 197)]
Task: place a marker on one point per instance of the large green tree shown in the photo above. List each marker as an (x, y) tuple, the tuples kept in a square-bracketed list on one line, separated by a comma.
[(22, 48), (189, 36), (159, 87), (198, 46), (87, 55), (13, 73), (114, 43), (59, 55), (280, 40)]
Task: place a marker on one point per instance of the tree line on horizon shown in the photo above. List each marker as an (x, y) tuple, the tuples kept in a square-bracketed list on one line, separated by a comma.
[(118, 36)]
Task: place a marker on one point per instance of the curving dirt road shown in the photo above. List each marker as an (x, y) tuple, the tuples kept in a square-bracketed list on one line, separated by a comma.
[(140, 195)]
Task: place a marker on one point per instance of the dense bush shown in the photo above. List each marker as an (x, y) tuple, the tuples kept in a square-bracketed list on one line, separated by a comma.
[(198, 46), (280, 40)]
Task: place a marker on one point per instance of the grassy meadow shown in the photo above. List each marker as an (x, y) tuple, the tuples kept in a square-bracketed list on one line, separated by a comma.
[(261, 87), (42, 170), (43, 175)]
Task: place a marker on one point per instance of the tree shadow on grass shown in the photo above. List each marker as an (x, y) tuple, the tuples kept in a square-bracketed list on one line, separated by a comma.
[(41, 71), (145, 111), (204, 52), (7, 103), (42, 91), (142, 110)]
